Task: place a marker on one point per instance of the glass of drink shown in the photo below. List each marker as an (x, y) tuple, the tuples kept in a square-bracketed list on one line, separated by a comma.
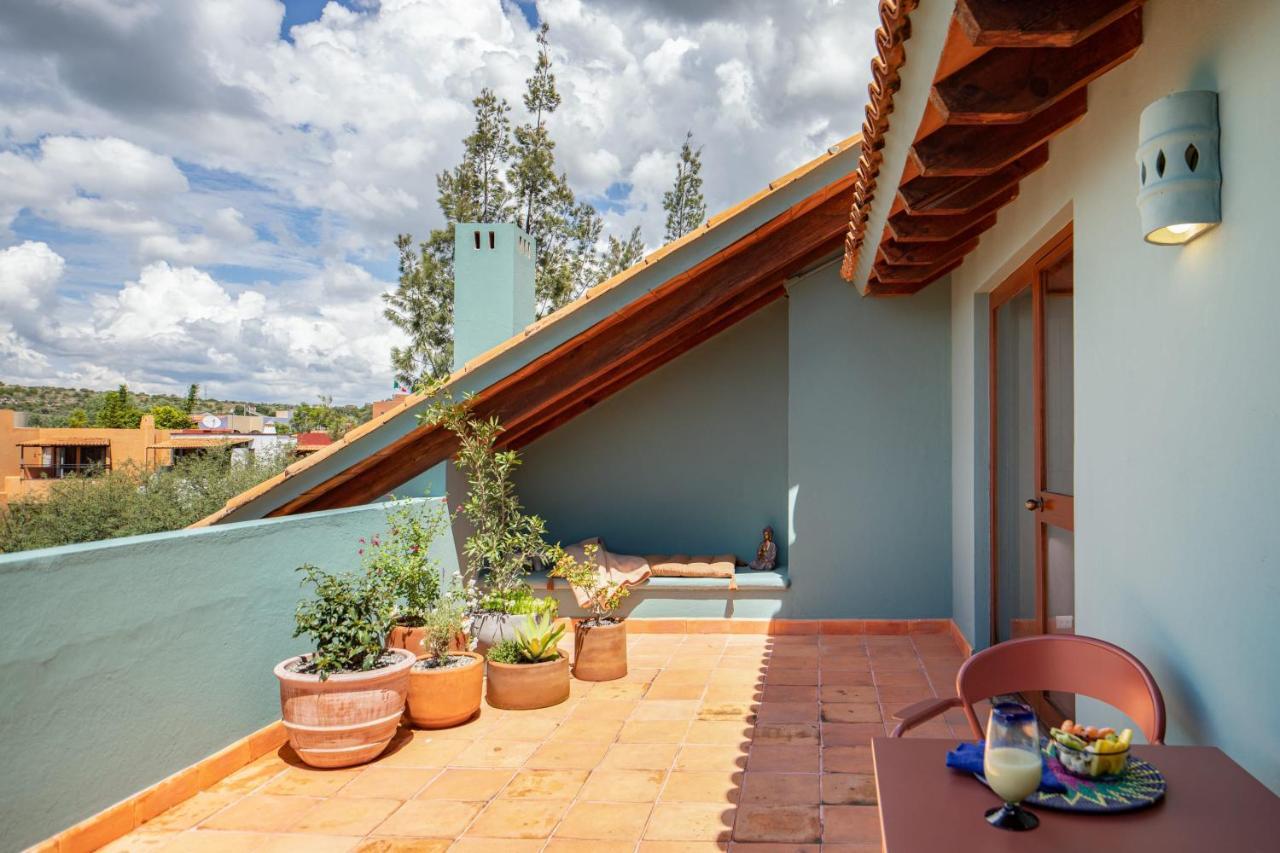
[(1011, 763)]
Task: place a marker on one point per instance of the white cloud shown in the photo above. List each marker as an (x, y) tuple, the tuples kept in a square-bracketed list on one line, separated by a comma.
[(161, 174)]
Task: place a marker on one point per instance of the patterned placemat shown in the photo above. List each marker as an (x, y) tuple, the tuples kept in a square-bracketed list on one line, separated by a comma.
[(1139, 786)]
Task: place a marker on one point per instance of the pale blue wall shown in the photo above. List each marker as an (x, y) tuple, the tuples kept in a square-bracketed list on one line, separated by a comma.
[(690, 459), (1177, 403), (837, 401), (870, 454), (124, 661)]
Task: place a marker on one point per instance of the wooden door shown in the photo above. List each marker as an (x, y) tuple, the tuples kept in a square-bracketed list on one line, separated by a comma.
[(1032, 447)]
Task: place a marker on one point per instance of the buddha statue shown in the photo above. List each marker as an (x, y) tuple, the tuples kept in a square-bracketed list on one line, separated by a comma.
[(766, 555)]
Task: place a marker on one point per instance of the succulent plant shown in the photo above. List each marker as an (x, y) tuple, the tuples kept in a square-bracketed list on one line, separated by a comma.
[(537, 640)]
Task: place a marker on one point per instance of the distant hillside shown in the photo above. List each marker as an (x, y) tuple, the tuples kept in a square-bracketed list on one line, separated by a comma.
[(49, 406)]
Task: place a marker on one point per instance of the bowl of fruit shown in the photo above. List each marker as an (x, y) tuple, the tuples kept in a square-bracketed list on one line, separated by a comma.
[(1089, 752)]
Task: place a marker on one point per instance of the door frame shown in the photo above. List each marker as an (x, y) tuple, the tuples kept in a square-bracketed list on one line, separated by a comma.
[(1055, 509)]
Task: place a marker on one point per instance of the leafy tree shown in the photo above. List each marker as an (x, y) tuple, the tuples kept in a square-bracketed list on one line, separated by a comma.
[(686, 208), (129, 500), (622, 254), (193, 391), (422, 306), (325, 417), (118, 411), (77, 418), (170, 417)]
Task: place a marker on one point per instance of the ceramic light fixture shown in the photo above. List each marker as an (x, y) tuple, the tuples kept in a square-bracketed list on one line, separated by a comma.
[(1179, 173)]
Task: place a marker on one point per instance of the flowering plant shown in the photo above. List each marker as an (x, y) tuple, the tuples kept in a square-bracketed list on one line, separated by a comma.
[(401, 555), (603, 598)]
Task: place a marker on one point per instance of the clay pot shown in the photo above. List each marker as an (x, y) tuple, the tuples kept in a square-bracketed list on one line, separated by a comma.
[(347, 719), (404, 637), (440, 698), (600, 651), (526, 686)]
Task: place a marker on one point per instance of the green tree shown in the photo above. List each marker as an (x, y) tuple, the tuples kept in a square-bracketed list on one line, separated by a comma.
[(686, 208), (170, 417), (622, 254), (77, 418), (193, 391), (118, 411)]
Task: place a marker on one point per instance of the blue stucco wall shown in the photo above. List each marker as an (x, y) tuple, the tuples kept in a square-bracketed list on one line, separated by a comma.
[(869, 452), (690, 459), (124, 661), (825, 415)]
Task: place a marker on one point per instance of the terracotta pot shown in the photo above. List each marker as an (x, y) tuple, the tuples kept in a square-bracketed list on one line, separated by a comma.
[(440, 698), (600, 651), (526, 686), (403, 637), (348, 718)]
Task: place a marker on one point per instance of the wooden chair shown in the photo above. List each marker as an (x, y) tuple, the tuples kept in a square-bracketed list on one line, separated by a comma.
[(1068, 664)]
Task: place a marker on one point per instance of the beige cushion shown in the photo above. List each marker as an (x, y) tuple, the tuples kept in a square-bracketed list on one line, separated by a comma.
[(684, 566)]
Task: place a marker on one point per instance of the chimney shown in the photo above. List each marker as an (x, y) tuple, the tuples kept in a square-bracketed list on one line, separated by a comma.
[(492, 286)]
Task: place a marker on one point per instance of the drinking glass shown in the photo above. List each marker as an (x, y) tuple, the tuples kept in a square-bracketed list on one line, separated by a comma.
[(1012, 763)]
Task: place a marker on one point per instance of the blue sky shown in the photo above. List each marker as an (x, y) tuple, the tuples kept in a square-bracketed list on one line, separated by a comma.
[(222, 207)]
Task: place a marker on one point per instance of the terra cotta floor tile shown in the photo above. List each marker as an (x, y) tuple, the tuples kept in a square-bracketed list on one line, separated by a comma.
[(466, 784), (762, 787), (690, 822), (629, 786), (350, 816), (519, 818), (855, 824), (262, 813), (545, 785), (858, 789), (429, 819), (399, 783), (495, 753), (639, 756), (702, 786), (778, 823), (604, 821)]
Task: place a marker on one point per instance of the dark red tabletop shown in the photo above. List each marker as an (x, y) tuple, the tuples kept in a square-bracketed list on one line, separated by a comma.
[(1212, 805)]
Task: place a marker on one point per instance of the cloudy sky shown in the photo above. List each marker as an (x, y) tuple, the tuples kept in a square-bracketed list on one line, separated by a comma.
[(209, 191)]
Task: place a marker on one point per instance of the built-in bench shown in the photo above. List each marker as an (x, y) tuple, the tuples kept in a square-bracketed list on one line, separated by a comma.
[(748, 581)]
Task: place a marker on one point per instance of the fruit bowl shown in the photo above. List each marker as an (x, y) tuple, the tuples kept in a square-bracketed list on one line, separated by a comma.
[(1087, 764)]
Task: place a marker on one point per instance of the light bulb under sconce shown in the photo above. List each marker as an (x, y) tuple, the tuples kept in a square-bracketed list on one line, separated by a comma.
[(1179, 173)]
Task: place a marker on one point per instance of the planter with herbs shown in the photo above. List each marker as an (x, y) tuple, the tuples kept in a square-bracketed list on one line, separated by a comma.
[(444, 685), (342, 703), (530, 671), (600, 640)]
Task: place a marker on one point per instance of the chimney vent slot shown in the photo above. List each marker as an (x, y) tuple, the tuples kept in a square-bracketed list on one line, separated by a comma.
[(477, 236), (491, 242)]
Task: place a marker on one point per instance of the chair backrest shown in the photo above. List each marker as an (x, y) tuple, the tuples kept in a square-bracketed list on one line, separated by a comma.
[(1068, 664)]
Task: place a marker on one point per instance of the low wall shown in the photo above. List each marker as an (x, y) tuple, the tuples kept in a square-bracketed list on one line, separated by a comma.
[(124, 661)]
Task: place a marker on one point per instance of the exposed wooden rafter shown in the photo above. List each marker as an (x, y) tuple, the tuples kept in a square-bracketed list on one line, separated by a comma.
[(1013, 74)]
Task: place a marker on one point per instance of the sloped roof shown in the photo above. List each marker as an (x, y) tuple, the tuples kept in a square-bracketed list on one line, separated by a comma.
[(559, 366), (66, 442), (1010, 77)]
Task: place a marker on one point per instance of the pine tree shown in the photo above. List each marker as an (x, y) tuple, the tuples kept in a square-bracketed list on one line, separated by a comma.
[(686, 208), (193, 392), (117, 411), (622, 254)]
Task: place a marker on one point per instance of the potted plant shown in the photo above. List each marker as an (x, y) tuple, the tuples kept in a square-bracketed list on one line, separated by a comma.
[(600, 640), (341, 703), (504, 540), (529, 671), (445, 685), (402, 555)]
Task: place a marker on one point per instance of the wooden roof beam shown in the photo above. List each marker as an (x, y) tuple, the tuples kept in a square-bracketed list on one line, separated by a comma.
[(1037, 23), (951, 196), (878, 287), (905, 228), (887, 274), (973, 149), (903, 254), (1010, 85)]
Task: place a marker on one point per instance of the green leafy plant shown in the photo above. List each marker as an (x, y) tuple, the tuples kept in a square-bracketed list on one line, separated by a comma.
[(508, 651), (537, 640), (170, 417), (402, 554), (441, 626), (504, 539), (347, 620), (603, 598)]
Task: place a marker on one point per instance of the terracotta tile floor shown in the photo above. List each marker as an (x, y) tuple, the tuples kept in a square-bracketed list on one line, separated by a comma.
[(712, 742)]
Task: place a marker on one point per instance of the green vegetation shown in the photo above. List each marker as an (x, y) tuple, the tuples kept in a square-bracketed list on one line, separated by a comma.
[(326, 417), (507, 651), (537, 639), (127, 501), (686, 208), (347, 620), (402, 555), (603, 598), (49, 406)]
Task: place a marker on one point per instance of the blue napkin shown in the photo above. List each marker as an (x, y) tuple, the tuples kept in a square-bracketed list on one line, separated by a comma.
[(968, 757)]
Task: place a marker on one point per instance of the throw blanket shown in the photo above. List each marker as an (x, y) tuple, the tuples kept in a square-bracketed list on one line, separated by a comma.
[(615, 569)]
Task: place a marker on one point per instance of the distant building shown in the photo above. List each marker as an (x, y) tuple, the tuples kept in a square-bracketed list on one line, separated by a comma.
[(310, 442), (242, 424), (381, 407)]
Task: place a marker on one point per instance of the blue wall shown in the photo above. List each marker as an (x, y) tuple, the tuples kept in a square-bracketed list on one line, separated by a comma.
[(826, 415), (869, 452), (127, 660), (690, 459)]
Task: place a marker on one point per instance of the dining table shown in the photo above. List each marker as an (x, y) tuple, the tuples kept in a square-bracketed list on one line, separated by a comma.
[(1211, 805)]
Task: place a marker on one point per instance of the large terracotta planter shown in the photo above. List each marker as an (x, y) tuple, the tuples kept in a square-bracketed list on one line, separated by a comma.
[(348, 718), (403, 637), (600, 651), (440, 698), (526, 686)]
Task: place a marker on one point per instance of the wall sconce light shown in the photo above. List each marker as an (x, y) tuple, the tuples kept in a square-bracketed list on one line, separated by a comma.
[(1179, 173)]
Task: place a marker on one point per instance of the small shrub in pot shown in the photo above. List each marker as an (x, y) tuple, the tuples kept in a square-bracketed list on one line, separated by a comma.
[(342, 702), (600, 640), (444, 686)]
